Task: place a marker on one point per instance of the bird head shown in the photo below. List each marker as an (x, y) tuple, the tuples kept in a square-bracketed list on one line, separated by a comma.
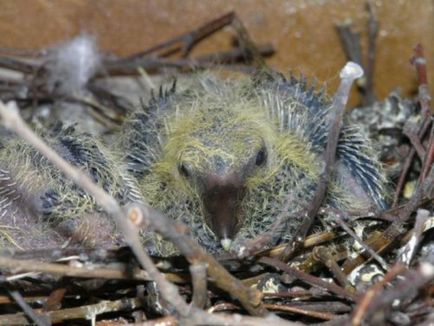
[(225, 154), (217, 154)]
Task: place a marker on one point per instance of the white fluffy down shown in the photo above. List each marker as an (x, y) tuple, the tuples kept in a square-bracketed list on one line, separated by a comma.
[(72, 64)]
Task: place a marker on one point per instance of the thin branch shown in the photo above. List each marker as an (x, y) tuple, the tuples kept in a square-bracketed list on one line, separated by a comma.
[(28, 311), (312, 280), (343, 225), (87, 312), (373, 28), (405, 288), (323, 254), (249, 298), (199, 283), (28, 265), (419, 63), (407, 253), (348, 74), (185, 42), (360, 311)]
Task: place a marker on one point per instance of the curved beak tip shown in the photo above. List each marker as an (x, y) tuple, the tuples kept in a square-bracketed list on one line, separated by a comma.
[(226, 243)]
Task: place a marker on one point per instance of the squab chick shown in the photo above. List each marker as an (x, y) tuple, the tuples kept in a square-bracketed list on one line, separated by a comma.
[(226, 157)]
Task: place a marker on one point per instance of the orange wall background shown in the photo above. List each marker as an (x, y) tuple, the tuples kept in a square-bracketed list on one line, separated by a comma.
[(303, 32)]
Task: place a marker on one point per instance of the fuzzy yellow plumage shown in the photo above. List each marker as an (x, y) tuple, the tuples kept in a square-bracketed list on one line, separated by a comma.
[(224, 157)]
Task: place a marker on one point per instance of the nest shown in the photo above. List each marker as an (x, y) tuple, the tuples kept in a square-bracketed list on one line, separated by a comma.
[(376, 272)]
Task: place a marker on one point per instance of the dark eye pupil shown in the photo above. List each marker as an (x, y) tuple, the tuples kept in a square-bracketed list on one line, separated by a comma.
[(260, 157), (183, 170)]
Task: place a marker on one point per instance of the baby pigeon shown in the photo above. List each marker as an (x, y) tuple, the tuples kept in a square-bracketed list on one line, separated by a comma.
[(40, 208), (227, 156)]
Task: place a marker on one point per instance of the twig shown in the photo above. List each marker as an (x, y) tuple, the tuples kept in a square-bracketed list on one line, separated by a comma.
[(413, 136), (28, 311), (369, 95), (360, 311), (54, 300), (17, 65), (249, 298), (185, 42), (84, 312), (300, 311), (405, 288), (348, 74), (152, 64), (158, 56), (394, 230), (312, 280), (351, 43), (323, 255), (164, 321), (407, 252), (419, 63), (374, 255), (199, 282), (29, 265)]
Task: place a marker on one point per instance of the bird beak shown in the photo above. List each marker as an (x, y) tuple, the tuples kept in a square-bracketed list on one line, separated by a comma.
[(222, 199)]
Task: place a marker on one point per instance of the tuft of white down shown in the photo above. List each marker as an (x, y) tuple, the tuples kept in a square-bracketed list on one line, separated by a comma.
[(72, 64)]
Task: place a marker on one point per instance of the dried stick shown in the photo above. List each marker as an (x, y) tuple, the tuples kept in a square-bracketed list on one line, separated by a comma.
[(312, 280), (369, 95), (404, 289), (365, 301), (84, 312), (249, 298), (28, 265), (323, 255), (157, 56), (224, 60), (394, 230), (419, 63), (406, 254), (185, 42), (17, 65), (412, 134), (28, 311), (343, 225), (199, 284), (289, 308), (301, 311), (163, 321), (351, 43), (348, 74)]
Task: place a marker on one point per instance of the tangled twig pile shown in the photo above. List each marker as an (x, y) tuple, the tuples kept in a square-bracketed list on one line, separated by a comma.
[(52, 286)]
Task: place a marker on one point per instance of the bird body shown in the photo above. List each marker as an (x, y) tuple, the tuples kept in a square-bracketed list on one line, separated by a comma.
[(226, 157), (41, 208)]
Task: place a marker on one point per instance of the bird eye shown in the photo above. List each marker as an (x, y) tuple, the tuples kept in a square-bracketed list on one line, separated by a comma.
[(183, 170), (261, 157)]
